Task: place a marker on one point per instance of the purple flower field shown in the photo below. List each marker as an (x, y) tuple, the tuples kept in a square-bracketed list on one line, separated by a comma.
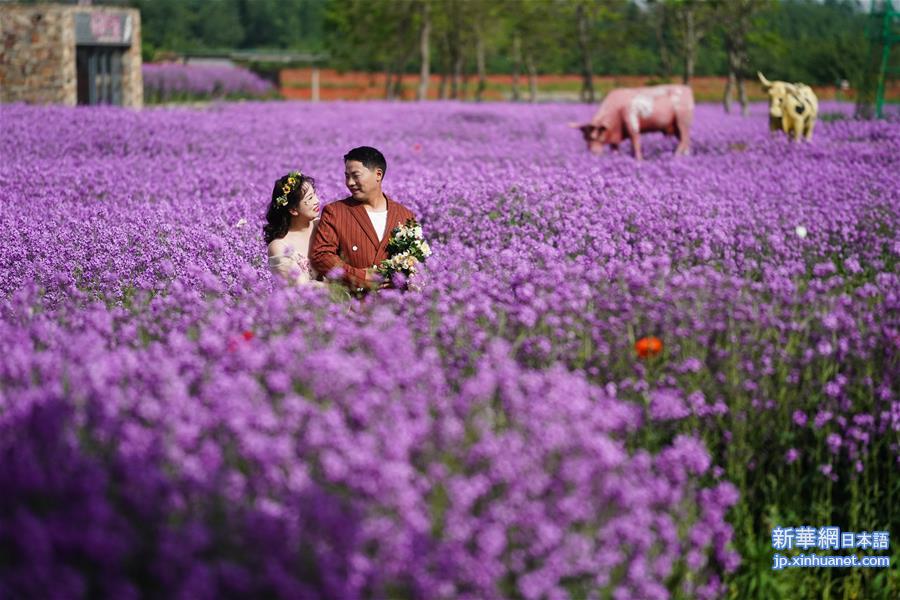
[(167, 82), (174, 423)]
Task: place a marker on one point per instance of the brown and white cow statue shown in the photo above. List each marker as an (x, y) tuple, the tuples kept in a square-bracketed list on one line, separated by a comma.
[(793, 108), (629, 112)]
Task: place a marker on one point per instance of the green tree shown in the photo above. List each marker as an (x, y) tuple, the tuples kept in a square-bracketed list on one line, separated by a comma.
[(815, 41), (692, 21), (736, 21), (217, 24), (374, 35)]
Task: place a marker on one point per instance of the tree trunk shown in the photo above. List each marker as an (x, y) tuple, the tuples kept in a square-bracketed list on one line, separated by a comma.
[(425, 52), (665, 59), (456, 83), (445, 69), (398, 85), (689, 46), (456, 50), (739, 70), (729, 87), (742, 96), (730, 84), (480, 63), (532, 78), (517, 59), (315, 84), (584, 46), (738, 17), (400, 70), (388, 82)]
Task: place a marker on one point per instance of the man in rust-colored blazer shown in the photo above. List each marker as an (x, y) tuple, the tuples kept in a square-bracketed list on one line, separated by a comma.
[(353, 233)]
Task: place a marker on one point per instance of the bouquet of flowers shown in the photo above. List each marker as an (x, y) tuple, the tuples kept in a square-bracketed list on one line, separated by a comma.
[(406, 249)]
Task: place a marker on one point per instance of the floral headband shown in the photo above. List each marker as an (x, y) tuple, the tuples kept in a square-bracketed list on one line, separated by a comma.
[(293, 180)]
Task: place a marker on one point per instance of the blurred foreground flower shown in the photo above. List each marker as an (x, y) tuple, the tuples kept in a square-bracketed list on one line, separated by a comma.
[(648, 346), (235, 341)]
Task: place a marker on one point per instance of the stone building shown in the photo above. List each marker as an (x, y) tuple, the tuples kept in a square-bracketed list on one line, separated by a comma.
[(65, 54)]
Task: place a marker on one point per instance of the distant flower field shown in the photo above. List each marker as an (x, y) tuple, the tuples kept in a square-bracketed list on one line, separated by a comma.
[(173, 82), (616, 380)]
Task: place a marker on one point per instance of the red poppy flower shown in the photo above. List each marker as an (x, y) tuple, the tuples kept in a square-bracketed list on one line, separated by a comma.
[(648, 346), (248, 335)]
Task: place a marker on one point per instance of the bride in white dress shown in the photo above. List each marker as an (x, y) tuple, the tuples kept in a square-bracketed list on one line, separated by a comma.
[(291, 222)]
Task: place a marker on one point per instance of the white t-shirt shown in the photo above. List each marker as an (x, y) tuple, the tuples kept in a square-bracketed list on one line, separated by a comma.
[(379, 222)]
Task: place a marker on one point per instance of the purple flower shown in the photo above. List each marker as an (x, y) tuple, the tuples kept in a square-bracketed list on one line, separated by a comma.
[(830, 322), (824, 269), (667, 404), (834, 442), (822, 417)]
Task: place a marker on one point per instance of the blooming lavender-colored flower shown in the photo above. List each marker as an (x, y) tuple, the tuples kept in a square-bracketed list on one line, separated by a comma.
[(825, 348), (667, 404), (791, 456), (834, 442), (822, 417)]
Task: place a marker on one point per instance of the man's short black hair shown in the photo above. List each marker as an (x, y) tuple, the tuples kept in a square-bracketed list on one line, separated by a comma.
[(370, 157)]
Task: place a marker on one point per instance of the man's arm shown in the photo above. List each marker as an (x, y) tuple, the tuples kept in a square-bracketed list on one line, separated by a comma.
[(324, 254)]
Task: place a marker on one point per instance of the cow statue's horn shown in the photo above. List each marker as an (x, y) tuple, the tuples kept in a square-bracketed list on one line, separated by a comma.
[(574, 125), (762, 78)]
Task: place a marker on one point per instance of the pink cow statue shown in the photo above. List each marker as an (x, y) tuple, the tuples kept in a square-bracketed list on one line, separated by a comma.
[(633, 111)]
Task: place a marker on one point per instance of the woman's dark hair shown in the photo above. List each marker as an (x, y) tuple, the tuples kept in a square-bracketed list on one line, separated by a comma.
[(278, 217)]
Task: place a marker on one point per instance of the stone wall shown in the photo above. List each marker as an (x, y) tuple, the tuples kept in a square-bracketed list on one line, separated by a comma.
[(37, 55), (132, 77)]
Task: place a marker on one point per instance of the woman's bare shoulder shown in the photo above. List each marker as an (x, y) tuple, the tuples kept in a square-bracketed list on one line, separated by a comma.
[(276, 247)]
